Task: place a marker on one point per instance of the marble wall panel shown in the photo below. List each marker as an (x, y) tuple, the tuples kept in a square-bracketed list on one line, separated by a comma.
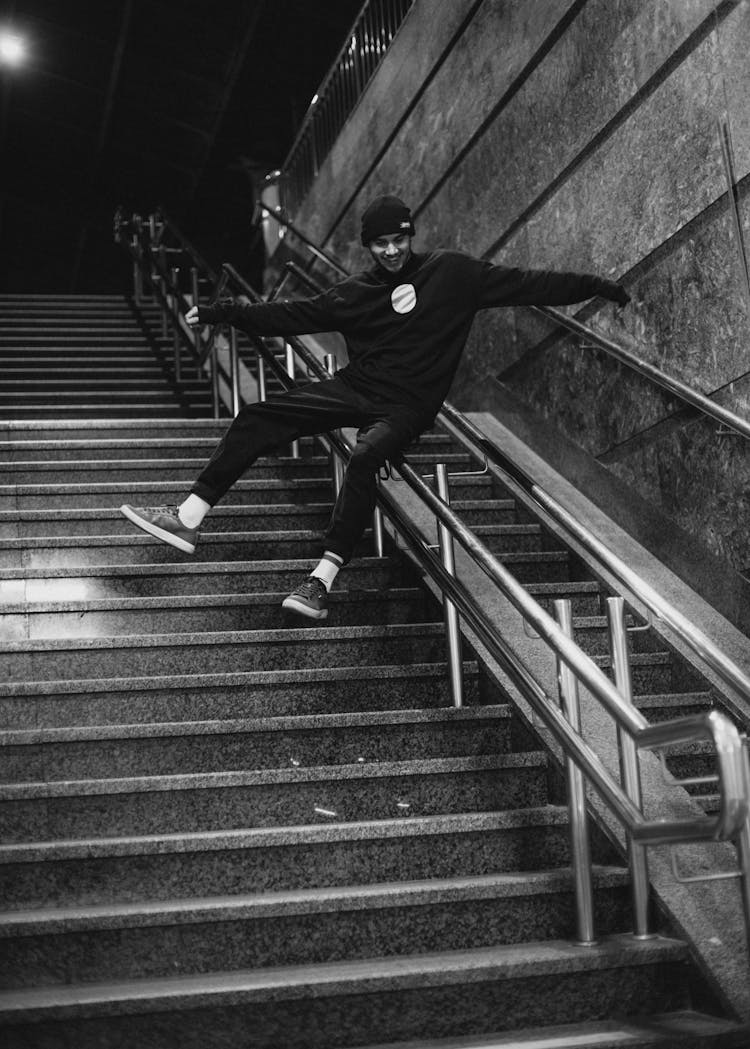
[(598, 66), (605, 156), (409, 61), (702, 481)]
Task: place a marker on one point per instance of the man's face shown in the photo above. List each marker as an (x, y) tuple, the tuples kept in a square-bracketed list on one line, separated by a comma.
[(391, 251)]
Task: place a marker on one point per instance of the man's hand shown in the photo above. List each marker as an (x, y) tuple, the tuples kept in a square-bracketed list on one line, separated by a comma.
[(615, 293), (192, 317)]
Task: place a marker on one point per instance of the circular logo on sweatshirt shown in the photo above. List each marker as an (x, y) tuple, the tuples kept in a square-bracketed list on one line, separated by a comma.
[(404, 298)]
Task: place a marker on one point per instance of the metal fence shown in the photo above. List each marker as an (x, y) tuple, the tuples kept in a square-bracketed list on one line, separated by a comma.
[(365, 46)]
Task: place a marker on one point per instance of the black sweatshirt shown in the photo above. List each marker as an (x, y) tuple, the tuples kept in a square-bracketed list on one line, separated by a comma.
[(405, 332)]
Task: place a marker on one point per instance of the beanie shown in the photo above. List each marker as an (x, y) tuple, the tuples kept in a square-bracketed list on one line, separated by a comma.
[(385, 215)]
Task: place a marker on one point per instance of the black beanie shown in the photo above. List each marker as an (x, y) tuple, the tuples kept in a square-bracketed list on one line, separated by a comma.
[(385, 215)]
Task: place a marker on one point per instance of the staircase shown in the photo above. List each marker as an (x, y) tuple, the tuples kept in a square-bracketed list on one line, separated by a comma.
[(91, 356), (224, 827)]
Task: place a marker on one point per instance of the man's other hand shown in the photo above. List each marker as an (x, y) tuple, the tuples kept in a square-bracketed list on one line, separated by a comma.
[(192, 317)]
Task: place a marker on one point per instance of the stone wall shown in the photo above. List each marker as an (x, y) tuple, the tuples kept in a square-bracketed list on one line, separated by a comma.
[(580, 134)]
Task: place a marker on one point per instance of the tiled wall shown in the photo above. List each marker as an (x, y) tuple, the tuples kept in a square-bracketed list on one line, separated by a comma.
[(581, 134)]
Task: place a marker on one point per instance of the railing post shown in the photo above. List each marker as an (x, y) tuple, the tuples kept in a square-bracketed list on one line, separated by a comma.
[(338, 466), (213, 356), (290, 373), (262, 394), (630, 773), (137, 276), (163, 286), (234, 371), (172, 299), (743, 852), (450, 613), (579, 829)]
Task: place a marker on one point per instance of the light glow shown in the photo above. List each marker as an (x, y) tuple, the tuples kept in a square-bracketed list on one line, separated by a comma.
[(12, 49)]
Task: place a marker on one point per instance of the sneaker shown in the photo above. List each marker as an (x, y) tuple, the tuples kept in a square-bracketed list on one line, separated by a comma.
[(163, 523), (309, 599)]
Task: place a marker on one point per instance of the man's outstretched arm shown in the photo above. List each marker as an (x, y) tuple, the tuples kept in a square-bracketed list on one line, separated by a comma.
[(300, 317), (508, 286)]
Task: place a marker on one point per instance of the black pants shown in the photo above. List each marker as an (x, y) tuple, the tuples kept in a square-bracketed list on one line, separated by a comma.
[(385, 430)]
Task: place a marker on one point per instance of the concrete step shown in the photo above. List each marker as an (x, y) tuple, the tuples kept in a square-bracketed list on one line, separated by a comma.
[(358, 1001), (194, 697), (97, 432), (100, 582), (75, 495), (304, 927), (113, 387), (222, 652), (134, 471), (299, 490), (675, 704), (184, 803), (35, 524), (165, 441), (585, 596), (686, 1029), (105, 400), (165, 445), (297, 741), (140, 548), (106, 408), (152, 868), (657, 672), (206, 612)]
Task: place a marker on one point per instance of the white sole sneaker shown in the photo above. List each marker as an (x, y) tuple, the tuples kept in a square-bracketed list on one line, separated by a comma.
[(292, 604), (156, 532)]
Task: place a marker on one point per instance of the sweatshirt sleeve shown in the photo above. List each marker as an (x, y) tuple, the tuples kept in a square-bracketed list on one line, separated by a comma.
[(300, 317), (507, 286)]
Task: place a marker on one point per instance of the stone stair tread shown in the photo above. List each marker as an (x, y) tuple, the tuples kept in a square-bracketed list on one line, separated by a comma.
[(306, 633), (283, 723), (26, 465), (140, 490), (247, 677), (207, 601), (178, 568), (675, 1029), (181, 842), (298, 901), (674, 699), (255, 777), (447, 968)]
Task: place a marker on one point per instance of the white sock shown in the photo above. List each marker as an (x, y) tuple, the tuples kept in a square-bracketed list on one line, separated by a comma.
[(328, 568), (192, 511)]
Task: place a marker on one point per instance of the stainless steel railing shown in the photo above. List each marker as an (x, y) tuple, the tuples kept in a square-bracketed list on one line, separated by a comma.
[(732, 822), (370, 36), (666, 382)]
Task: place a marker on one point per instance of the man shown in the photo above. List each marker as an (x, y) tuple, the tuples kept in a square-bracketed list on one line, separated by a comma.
[(406, 321)]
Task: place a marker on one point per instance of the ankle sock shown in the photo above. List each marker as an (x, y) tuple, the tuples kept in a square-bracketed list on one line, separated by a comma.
[(192, 511), (328, 568)]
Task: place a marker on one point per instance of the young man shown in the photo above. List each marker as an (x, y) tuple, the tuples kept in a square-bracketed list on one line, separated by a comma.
[(405, 321)]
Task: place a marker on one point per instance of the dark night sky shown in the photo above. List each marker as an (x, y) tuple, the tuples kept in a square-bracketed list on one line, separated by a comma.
[(145, 102)]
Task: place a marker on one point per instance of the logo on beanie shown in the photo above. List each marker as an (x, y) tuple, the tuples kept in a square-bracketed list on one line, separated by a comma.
[(404, 298)]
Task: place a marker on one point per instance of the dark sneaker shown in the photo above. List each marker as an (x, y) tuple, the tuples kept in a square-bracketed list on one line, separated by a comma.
[(309, 599), (163, 523)]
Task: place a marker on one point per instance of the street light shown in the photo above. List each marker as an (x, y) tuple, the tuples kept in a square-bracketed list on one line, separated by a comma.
[(12, 48)]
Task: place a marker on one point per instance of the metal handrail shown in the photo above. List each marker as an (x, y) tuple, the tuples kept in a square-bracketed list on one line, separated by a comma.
[(732, 821), (365, 45), (280, 216), (698, 642), (516, 478), (714, 726), (656, 375)]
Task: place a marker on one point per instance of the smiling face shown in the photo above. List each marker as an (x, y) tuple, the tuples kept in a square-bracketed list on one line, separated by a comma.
[(391, 251)]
